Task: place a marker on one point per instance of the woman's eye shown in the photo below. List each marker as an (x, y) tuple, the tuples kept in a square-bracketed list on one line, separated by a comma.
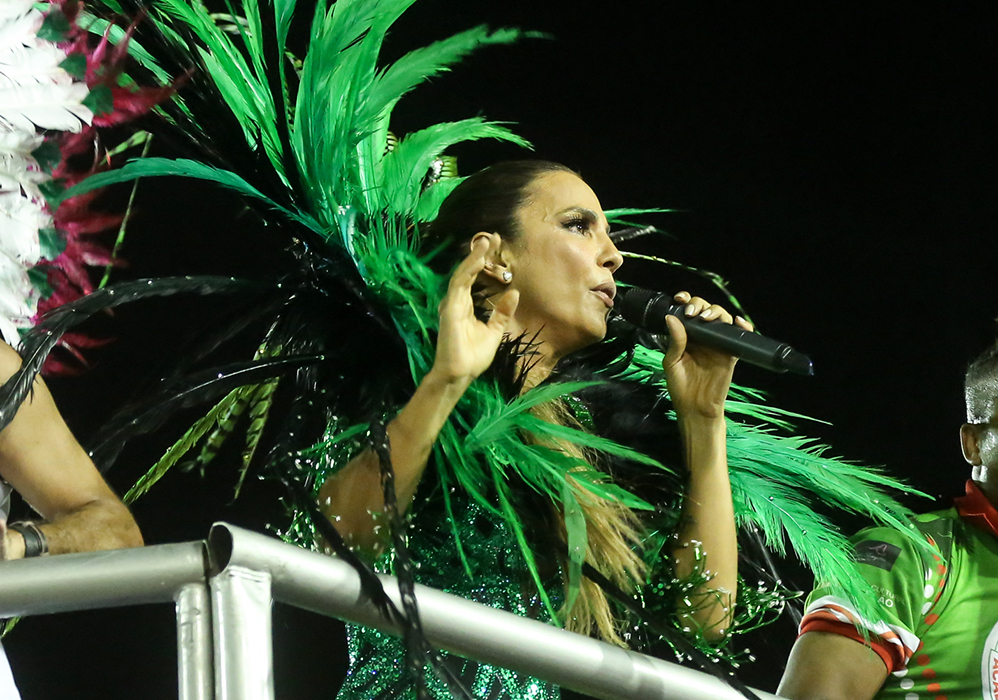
[(577, 225)]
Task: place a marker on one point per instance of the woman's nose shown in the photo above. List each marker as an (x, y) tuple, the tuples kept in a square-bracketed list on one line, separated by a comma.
[(610, 258)]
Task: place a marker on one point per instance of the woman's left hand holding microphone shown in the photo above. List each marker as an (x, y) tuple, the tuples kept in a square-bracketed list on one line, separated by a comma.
[(698, 376)]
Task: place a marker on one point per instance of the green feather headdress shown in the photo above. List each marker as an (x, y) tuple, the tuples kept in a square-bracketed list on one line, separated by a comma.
[(318, 132)]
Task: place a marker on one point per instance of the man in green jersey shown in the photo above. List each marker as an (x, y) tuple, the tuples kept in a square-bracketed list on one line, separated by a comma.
[(938, 636)]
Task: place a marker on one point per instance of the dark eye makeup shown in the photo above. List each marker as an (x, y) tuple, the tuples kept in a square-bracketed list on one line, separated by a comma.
[(579, 220)]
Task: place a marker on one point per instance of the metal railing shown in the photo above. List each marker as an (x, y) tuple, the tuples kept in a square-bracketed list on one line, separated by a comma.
[(224, 588)]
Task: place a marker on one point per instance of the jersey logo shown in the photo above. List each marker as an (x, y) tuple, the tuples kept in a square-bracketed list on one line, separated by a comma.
[(989, 666), (879, 554)]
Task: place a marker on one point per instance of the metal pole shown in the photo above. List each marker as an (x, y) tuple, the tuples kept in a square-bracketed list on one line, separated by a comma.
[(195, 670), (331, 587), (241, 620), (93, 580)]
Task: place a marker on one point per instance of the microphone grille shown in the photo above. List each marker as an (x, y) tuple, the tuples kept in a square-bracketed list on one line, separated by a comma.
[(632, 303)]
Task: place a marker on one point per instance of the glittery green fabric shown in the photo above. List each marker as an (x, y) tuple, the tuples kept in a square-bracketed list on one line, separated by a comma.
[(498, 576), (498, 572)]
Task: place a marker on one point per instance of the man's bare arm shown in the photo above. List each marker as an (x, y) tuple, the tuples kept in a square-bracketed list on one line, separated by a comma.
[(41, 460), (828, 666)]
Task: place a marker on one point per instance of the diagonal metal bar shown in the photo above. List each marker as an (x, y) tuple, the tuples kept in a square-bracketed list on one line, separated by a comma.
[(331, 587)]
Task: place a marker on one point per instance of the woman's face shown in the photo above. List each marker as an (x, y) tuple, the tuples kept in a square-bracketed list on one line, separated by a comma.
[(562, 264)]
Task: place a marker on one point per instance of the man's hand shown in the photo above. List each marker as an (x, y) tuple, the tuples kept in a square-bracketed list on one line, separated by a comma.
[(11, 543), (43, 462)]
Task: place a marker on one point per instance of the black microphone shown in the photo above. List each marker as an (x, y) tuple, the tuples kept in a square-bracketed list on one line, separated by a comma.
[(647, 309)]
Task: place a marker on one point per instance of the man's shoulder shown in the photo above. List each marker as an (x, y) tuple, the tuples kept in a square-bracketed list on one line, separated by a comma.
[(935, 527), (911, 550)]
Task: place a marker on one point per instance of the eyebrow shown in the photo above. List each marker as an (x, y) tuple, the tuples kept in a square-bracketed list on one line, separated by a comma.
[(587, 213)]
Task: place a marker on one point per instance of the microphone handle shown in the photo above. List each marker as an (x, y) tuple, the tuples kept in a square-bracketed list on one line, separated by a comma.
[(749, 346)]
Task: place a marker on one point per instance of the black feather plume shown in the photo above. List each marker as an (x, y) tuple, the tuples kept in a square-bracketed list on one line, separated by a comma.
[(200, 387), (38, 343)]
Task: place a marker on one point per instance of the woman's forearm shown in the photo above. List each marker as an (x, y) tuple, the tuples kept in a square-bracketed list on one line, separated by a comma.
[(466, 346), (353, 498), (707, 528)]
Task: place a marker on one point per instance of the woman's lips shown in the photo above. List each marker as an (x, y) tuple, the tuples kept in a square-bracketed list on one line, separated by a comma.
[(604, 296)]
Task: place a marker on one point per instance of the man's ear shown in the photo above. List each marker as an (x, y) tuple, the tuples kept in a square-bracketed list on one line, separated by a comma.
[(968, 441), (496, 265)]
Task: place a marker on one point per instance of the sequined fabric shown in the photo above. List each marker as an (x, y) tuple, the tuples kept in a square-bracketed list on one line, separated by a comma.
[(497, 579)]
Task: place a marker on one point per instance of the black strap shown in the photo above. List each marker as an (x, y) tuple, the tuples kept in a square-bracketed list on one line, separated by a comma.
[(35, 543)]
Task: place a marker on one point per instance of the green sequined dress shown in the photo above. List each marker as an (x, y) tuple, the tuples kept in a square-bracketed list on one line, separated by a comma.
[(377, 660)]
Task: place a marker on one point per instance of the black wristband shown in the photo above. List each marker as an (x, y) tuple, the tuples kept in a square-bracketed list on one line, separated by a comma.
[(35, 544)]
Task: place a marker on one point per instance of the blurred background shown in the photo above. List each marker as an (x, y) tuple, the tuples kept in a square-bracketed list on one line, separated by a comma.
[(837, 168)]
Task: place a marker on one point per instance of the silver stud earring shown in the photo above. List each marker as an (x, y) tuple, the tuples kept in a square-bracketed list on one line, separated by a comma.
[(507, 276)]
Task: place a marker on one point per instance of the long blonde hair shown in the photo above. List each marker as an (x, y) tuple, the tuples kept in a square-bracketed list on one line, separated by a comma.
[(613, 537)]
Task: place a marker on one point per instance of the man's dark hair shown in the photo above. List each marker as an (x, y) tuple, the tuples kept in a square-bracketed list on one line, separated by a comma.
[(981, 386)]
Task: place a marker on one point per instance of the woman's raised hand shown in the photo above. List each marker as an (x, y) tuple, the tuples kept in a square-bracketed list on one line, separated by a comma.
[(465, 345), (698, 376)]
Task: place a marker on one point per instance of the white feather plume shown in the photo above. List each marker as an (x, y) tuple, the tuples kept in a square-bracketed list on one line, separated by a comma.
[(18, 297), (25, 65), (34, 90), (52, 106), (13, 9), (19, 172), (19, 143), (20, 221), (35, 94)]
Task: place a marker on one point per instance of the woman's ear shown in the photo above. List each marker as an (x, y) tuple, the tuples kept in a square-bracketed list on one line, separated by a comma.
[(496, 266), (968, 441)]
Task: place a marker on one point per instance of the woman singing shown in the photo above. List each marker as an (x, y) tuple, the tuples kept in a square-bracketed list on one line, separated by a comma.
[(539, 264)]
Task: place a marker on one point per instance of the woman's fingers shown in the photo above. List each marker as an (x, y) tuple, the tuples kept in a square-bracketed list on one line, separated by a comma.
[(694, 305), (677, 341), (700, 307), (462, 280), (467, 272), (503, 311), (716, 313)]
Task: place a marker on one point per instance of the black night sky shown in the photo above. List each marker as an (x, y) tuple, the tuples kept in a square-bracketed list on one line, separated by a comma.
[(837, 167)]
